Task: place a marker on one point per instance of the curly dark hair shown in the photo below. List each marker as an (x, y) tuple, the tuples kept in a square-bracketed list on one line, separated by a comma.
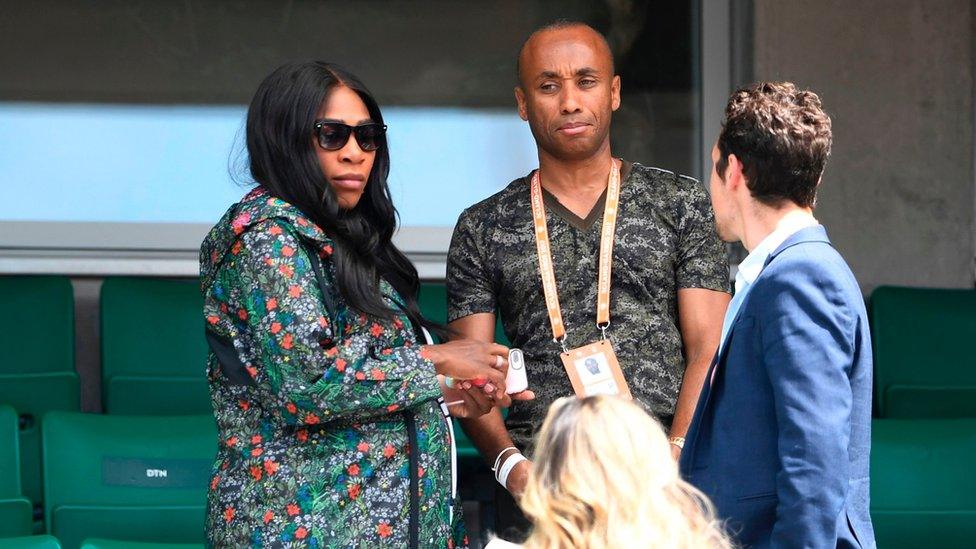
[(782, 136)]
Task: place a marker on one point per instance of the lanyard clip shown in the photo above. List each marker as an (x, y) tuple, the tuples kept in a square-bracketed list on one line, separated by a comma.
[(562, 342), (603, 328)]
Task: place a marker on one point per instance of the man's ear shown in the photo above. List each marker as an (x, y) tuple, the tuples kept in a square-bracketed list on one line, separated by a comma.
[(733, 173), (520, 100), (615, 93)]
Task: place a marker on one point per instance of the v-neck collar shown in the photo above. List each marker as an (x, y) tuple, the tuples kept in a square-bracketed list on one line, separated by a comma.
[(583, 223)]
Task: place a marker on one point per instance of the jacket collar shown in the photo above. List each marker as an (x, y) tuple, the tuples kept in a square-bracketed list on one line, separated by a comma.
[(817, 233)]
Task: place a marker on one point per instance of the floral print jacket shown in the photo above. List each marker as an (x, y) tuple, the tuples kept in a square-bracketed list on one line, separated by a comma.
[(331, 431)]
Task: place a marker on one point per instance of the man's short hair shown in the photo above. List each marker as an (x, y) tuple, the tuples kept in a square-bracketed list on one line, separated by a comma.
[(782, 137), (557, 24)]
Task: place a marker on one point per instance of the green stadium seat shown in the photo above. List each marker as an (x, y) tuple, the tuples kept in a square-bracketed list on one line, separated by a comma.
[(924, 362), (30, 542), (154, 352), (923, 490), (16, 515), (37, 362), (95, 543), (139, 478)]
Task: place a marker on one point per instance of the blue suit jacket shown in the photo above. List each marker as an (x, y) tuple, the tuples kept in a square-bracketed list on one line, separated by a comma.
[(781, 438)]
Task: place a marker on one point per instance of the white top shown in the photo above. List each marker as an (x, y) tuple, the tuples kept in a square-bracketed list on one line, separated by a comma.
[(499, 543)]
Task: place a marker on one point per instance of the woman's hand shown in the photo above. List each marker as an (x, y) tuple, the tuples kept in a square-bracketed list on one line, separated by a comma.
[(482, 365), (466, 403)]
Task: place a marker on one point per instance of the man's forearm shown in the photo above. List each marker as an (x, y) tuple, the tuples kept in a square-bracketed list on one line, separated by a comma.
[(691, 387), (488, 433)]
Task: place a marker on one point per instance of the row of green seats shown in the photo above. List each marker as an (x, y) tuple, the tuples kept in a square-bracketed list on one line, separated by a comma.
[(51, 542)]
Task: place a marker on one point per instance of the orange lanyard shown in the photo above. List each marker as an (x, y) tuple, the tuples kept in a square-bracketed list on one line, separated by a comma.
[(547, 271)]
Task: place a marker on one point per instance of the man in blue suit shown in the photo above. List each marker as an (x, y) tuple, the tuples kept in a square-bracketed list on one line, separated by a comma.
[(781, 437)]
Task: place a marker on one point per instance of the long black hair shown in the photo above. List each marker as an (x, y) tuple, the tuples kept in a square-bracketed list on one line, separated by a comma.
[(280, 126)]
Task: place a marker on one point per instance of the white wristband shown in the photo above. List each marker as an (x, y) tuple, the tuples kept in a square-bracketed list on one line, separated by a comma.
[(498, 458), (510, 462)]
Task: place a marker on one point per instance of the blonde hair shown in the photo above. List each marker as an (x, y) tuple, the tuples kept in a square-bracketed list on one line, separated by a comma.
[(603, 477)]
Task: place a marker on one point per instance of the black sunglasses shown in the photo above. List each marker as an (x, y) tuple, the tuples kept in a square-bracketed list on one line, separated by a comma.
[(334, 135)]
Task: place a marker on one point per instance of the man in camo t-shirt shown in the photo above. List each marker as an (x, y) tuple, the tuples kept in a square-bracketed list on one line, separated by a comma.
[(670, 277)]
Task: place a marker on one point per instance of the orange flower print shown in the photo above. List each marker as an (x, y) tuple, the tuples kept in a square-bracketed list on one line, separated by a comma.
[(301, 532), (340, 365), (271, 304), (301, 435), (244, 404), (293, 509), (257, 452), (291, 407), (353, 469), (275, 327), (376, 330), (327, 249), (354, 491), (242, 314), (252, 371), (288, 271), (287, 342), (362, 446), (392, 407), (287, 251), (323, 322), (213, 319), (236, 248), (384, 529), (420, 471), (360, 376), (275, 230), (270, 467), (256, 472), (228, 514), (294, 291), (311, 419), (231, 442), (378, 375), (256, 439), (268, 515), (214, 482), (389, 451)]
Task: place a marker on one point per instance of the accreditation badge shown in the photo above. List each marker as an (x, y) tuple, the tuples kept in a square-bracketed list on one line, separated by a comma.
[(593, 370)]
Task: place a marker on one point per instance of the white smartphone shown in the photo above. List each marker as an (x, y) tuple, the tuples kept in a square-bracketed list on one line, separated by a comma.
[(516, 381)]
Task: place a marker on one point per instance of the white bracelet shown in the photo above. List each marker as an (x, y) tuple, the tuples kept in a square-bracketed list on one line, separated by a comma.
[(510, 463), (499, 457)]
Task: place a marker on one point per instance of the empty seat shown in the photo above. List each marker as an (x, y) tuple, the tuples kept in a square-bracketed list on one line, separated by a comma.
[(37, 371), (15, 510), (924, 362), (154, 352), (923, 490), (30, 542), (139, 478), (115, 544)]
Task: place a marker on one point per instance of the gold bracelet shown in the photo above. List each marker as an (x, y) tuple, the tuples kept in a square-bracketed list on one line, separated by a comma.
[(678, 441)]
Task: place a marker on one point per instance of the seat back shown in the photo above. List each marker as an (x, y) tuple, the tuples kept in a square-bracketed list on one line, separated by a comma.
[(15, 510), (37, 361), (139, 478), (923, 491), (153, 347), (924, 365)]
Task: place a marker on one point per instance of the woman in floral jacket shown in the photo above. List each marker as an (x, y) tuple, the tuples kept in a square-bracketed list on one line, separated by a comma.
[(332, 420)]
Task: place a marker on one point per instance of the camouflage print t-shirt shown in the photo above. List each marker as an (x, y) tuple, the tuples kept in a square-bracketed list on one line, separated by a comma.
[(665, 241)]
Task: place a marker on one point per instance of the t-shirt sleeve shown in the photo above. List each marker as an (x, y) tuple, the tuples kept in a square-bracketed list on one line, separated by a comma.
[(702, 257), (469, 285)]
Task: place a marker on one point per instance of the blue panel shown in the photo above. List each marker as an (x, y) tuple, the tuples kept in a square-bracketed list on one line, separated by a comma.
[(173, 163)]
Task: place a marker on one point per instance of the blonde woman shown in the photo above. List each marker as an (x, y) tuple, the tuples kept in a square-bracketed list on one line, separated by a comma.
[(603, 477)]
